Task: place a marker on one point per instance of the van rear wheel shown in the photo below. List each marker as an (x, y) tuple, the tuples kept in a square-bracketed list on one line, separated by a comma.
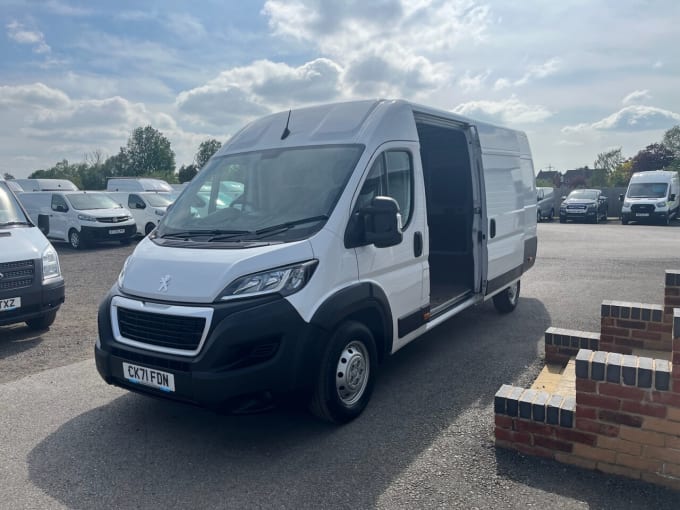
[(74, 239), (506, 300), (42, 322), (346, 375), (149, 228)]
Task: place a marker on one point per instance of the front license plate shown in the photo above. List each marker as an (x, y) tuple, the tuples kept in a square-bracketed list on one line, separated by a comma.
[(644, 214), (149, 377), (117, 231), (10, 304)]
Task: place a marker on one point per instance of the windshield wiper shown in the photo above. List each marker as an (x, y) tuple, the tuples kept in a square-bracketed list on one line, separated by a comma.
[(214, 234), (275, 229), (10, 223)]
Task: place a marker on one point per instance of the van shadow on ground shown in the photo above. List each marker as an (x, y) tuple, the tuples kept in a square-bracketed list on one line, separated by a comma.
[(18, 338), (137, 452)]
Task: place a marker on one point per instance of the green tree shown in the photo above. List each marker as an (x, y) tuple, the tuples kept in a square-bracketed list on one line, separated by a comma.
[(186, 173), (652, 157), (62, 170), (147, 152), (671, 140), (206, 151), (609, 160), (621, 175)]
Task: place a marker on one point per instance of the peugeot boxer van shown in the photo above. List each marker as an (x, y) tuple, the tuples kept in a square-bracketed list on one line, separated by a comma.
[(147, 208), (80, 217), (31, 285), (360, 226), (651, 197)]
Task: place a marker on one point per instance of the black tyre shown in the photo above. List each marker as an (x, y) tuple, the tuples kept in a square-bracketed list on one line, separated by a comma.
[(42, 322), (563, 220), (506, 301), (552, 215), (624, 221), (74, 239), (346, 375), (149, 228)]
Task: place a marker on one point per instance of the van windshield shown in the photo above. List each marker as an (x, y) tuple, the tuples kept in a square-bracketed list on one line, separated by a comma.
[(285, 194), (647, 190), (10, 211), (87, 201)]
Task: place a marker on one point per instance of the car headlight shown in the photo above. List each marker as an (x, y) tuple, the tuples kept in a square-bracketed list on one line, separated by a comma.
[(283, 280), (50, 264), (592, 207), (121, 275), (86, 217), (159, 212), (626, 203), (661, 204)]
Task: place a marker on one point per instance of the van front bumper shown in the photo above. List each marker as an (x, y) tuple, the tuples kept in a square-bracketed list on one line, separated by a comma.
[(36, 301), (253, 347), (654, 216), (111, 232)]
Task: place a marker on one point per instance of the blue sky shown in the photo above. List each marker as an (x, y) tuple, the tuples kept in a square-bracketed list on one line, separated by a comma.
[(578, 76)]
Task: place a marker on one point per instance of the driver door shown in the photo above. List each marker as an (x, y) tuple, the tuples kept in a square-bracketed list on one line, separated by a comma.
[(58, 217)]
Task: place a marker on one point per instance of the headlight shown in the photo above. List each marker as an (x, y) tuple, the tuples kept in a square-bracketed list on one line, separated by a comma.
[(283, 280), (661, 204), (121, 275), (50, 264), (626, 204), (592, 207), (86, 217), (159, 212)]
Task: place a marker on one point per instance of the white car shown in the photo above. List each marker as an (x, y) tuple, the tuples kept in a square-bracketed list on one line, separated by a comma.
[(147, 208)]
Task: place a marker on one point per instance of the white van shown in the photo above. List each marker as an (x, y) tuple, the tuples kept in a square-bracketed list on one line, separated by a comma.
[(80, 217), (651, 196), (31, 285), (137, 184), (147, 208), (46, 185), (360, 227)]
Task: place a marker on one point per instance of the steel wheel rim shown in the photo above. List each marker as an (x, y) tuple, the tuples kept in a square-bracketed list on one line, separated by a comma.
[(352, 372), (75, 239)]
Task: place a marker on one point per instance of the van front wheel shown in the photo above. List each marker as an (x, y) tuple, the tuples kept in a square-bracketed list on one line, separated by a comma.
[(74, 239), (506, 300), (346, 375)]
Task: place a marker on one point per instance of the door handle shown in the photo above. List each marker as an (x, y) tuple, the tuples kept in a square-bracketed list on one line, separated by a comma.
[(417, 244), (492, 229)]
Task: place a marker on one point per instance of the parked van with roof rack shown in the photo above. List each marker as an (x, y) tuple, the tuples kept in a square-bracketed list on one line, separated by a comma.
[(31, 285), (80, 218)]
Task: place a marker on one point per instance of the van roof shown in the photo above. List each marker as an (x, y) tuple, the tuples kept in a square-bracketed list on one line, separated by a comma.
[(653, 175), (370, 122)]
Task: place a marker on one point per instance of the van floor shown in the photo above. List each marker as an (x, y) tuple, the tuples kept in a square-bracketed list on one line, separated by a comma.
[(440, 293)]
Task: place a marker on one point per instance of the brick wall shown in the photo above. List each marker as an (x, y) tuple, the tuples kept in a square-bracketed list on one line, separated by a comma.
[(671, 295), (625, 326), (562, 344), (624, 420)]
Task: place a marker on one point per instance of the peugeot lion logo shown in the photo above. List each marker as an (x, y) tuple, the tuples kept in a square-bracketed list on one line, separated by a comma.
[(165, 280)]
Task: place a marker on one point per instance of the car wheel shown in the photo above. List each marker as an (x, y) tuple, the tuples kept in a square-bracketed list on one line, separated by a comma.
[(42, 322), (563, 220), (506, 301), (552, 214), (624, 221), (149, 228), (74, 239), (346, 375)]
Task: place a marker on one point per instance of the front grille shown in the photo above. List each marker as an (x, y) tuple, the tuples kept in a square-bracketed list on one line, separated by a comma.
[(576, 207), (172, 331), (642, 208), (17, 275), (113, 219)]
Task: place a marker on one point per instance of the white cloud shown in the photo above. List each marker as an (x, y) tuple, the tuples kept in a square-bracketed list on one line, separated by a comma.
[(637, 96), (35, 95), (509, 111), (63, 9), (244, 92), (18, 33), (472, 83), (630, 118), (534, 72)]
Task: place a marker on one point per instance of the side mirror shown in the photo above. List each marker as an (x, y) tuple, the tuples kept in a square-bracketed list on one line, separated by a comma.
[(564, 197), (620, 198), (62, 208), (672, 198), (44, 223), (382, 225), (139, 206)]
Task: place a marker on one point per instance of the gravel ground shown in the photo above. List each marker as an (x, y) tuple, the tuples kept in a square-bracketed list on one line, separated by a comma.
[(89, 275)]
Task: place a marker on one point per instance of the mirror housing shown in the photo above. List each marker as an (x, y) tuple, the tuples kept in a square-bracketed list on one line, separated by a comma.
[(621, 198), (139, 206), (44, 223), (382, 223), (672, 197)]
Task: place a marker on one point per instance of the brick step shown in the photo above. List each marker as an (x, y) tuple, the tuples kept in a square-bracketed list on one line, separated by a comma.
[(563, 344), (557, 379)]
